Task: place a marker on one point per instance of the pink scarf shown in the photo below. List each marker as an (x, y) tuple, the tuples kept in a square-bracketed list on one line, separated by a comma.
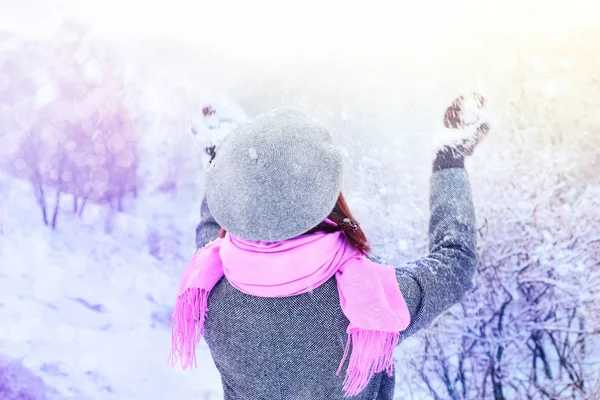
[(369, 294)]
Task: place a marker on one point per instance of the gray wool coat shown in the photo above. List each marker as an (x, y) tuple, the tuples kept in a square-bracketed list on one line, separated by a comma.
[(290, 348)]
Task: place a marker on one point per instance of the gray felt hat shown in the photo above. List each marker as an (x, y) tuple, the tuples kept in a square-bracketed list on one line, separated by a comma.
[(274, 177)]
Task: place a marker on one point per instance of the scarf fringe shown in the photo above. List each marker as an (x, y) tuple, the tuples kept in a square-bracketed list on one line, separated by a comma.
[(372, 352), (187, 326)]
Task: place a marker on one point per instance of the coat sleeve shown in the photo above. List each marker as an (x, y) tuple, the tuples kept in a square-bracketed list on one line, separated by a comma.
[(208, 229), (432, 284)]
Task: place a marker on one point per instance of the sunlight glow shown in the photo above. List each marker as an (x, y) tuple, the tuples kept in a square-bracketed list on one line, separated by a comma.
[(289, 31)]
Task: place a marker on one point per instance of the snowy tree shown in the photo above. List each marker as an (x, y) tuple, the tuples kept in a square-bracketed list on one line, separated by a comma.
[(531, 327), (83, 139)]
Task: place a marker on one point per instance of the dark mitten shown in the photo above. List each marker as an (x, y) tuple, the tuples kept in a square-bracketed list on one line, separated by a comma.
[(467, 122)]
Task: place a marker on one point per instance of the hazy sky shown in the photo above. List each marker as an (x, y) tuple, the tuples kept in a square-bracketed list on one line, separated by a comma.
[(278, 29)]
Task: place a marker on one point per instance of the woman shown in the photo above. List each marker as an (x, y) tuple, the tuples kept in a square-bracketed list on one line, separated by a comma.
[(288, 300)]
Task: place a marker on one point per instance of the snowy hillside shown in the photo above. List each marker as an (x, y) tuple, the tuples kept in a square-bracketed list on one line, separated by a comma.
[(88, 312)]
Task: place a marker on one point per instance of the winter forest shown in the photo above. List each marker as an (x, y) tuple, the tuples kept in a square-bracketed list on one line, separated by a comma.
[(101, 180)]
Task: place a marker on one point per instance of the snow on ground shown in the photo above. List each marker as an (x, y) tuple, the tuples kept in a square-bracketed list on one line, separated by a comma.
[(89, 312)]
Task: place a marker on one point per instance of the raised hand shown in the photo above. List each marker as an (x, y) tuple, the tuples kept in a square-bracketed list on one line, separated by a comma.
[(467, 121)]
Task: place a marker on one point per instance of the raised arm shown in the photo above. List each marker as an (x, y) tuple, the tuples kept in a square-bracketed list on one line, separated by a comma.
[(439, 280), (208, 229), (433, 283)]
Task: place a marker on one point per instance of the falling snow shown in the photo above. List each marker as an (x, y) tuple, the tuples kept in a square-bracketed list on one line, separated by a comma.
[(115, 134)]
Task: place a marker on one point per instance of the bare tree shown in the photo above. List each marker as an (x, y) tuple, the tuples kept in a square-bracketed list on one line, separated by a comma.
[(83, 141)]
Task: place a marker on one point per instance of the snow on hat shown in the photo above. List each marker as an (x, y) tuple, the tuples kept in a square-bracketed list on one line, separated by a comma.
[(274, 177)]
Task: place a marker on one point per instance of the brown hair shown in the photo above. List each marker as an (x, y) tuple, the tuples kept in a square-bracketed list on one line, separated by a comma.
[(344, 221)]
